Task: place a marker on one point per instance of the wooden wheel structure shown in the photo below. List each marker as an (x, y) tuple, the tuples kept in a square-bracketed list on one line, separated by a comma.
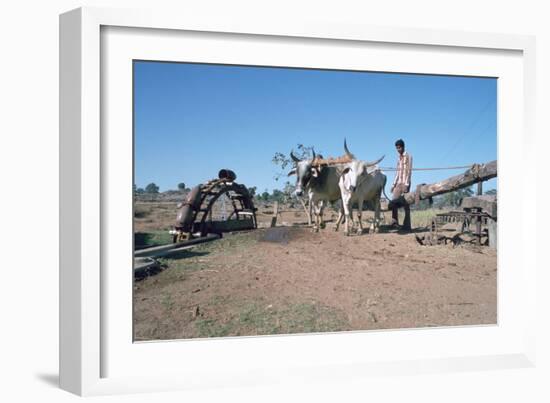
[(195, 216), (479, 212)]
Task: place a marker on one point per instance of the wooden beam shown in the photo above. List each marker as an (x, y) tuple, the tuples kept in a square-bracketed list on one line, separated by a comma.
[(477, 173)]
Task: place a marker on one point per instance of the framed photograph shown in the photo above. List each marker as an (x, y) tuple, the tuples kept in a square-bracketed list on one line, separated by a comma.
[(245, 203)]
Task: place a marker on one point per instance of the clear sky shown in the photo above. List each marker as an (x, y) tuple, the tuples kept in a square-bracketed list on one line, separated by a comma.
[(191, 120)]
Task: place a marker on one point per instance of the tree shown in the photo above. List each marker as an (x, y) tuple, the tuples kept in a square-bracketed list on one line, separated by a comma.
[(284, 161), (491, 192), (151, 188), (140, 191), (181, 186), (454, 199), (277, 195), (265, 196), (288, 191), (422, 205)]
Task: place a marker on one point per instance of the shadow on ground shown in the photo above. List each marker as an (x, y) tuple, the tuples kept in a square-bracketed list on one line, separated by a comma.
[(49, 379)]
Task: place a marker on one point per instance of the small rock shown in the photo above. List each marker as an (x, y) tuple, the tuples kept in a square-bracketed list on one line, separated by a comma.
[(197, 290)]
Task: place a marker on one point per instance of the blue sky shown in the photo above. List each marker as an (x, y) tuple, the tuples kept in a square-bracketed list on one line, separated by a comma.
[(190, 120)]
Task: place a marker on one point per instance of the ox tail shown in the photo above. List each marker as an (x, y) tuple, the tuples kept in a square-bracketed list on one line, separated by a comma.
[(384, 188), (384, 191)]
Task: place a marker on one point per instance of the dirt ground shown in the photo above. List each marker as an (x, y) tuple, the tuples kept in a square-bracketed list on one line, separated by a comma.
[(289, 280)]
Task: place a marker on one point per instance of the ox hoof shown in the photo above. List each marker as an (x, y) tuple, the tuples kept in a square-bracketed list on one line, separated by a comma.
[(346, 233), (323, 225)]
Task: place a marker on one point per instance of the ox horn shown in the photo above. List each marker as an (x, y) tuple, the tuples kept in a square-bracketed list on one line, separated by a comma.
[(371, 163), (313, 153), (294, 158), (350, 155)]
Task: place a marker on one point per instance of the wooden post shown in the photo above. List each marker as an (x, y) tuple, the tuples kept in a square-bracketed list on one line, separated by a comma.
[(478, 221), (275, 212)]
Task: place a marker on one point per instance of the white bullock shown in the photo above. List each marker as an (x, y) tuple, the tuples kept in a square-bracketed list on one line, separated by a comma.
[(360, 182)]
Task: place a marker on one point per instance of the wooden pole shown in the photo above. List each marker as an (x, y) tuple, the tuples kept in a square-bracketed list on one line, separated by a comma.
[(306, 209)]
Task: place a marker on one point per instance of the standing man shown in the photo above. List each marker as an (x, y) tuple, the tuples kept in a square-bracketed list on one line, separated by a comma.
[(401, 185)]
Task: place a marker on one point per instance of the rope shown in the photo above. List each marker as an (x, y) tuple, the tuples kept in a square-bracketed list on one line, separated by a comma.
[(428, 169)]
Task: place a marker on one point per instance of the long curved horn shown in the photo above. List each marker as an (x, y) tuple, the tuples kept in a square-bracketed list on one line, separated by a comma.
[(371, 163), (294, 158), (347, 151), (313, 153)]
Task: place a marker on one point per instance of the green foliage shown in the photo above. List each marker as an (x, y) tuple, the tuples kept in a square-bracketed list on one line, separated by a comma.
[(281, 196), (453, 199), (283, 160), (422, 205), (153, 238), (492, 192), (181, 186), (264, 318), (151, 188), (137, 190), (277, 195)]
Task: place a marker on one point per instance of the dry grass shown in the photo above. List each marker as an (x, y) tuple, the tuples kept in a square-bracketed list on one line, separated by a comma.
[(423, 218)]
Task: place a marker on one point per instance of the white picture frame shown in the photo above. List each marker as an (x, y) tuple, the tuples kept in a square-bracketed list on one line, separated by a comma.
[(93, 348)]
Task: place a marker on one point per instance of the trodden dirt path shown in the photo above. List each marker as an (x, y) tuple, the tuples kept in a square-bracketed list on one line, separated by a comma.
[(289, 280)]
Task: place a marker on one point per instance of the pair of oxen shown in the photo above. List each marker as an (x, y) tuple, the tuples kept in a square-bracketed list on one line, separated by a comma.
[(347, 178)]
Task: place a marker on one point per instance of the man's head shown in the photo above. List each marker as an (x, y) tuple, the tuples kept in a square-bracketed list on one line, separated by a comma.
[(400, 146)]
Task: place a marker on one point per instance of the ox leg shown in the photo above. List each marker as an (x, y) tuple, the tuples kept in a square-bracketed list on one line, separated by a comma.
[(377, 215), (321, 210), (340, 218), (359, 215), (317, 218), (310, 207), (349, 218)]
